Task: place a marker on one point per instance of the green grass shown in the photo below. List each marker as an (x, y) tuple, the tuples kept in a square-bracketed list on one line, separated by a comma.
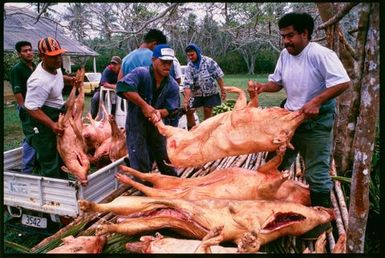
[(13, 134), (265, 99)]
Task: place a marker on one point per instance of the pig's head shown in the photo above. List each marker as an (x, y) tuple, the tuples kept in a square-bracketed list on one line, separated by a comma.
[(296, 222), (141, 247)]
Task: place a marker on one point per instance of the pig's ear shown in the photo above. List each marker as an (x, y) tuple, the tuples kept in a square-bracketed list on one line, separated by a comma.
[(281, 220)]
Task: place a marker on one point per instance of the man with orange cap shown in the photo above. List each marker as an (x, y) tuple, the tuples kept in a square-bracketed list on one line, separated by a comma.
[(44, 102)]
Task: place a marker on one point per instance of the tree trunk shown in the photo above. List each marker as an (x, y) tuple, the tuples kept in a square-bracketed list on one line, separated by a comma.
[(358, 111), (347, 102), (365, 137)]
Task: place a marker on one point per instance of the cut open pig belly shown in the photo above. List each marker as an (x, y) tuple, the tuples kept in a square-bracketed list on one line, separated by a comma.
[(263, 221), (244, 130)]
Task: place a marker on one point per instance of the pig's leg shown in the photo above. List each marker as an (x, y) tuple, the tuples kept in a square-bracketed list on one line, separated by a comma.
[(157, 179), (135, 226), (214, 237), (149, 191), (114, 206), (272, 165), (254, 101), (340, 246), (269, 189), (241, 100), (320, 244)]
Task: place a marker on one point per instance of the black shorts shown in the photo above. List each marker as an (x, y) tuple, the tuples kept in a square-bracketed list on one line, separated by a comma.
[(209, 101)]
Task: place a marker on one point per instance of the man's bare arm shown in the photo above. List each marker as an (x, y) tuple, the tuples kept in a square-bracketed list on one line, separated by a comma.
[(311, 108), (19, 99)]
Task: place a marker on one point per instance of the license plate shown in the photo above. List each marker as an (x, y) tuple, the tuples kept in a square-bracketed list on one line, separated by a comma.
[(33, 221)]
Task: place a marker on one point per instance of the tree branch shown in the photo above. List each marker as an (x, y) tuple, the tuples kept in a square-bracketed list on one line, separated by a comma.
[(171, 8), (44, 8), (336, 18), (348, 46)]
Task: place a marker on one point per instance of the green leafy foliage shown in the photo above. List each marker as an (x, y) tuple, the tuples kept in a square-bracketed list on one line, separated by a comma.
[(224, 107), (232, 63)]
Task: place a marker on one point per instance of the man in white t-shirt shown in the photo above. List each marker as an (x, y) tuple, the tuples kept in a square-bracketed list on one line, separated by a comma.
[(44, 102), (312, 76)]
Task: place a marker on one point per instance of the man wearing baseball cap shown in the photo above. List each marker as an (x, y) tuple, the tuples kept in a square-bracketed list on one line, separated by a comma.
[(44, 102), (152, 94), (108, 80)]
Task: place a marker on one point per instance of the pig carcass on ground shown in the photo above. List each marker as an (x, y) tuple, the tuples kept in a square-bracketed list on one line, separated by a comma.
[(70, 144), (80, 245), (118, 147), (262, 221), (246, 129), (266, 183), (161, 244)]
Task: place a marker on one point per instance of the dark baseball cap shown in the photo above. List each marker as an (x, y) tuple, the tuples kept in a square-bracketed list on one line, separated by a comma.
[(116, 60)]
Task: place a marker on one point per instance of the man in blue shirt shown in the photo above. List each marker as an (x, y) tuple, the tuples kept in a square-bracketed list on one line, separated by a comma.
[(152, 94), (108, 80), (142, 56)]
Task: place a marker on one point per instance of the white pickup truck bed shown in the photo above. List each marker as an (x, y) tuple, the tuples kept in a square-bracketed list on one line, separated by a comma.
[(52, 195)]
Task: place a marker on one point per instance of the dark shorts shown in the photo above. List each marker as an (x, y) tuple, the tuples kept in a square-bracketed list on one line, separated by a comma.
[(209, 101)]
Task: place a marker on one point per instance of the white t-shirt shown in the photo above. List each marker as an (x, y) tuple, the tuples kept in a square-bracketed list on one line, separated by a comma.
[(308, 74), (177, 69), (44, 88)]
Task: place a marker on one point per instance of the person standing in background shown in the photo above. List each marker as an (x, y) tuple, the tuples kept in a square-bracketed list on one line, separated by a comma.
[(108, 80), (200, 84), (142, 56), (19, 76)]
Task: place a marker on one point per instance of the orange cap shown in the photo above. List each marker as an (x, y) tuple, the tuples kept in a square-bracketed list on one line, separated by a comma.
[(50, 47)]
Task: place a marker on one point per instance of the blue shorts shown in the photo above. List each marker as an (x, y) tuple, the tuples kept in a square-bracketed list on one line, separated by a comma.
[(209, 101)]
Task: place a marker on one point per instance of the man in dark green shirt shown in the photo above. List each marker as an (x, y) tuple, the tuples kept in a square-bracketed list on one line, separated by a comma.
[(19, 76)]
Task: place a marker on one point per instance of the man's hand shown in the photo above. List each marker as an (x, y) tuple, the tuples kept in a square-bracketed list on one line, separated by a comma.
[(155, 117), (56, 129), (151, 113), (76, 82), (223, 94), (148, 110), (310, 109), (186, 105), (251, 89)]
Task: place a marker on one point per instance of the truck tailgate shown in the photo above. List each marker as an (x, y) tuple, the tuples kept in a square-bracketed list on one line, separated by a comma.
[(52, 195)]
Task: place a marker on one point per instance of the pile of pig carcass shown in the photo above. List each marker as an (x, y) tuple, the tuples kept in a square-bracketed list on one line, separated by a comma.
[(249, 208), (83, 144)]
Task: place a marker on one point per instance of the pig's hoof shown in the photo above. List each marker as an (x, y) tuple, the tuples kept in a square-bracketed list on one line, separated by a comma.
[(285, 174), (101, 230), (85, 205), (248, 243)]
